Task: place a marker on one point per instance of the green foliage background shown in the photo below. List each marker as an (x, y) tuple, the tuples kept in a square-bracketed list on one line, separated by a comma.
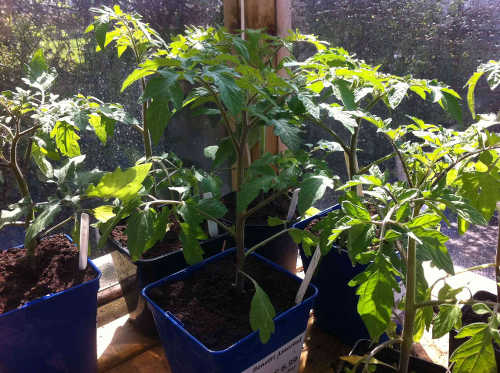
[(445, 40)]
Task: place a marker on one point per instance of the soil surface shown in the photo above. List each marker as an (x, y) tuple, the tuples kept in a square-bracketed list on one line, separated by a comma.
[(210, 307), (56, 269), (169, 244), (277, 208)]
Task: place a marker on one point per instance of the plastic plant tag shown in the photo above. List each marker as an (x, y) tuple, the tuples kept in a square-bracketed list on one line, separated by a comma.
[(285, 359), (293, 204), (84, 241), (213, 229), (309, 273)]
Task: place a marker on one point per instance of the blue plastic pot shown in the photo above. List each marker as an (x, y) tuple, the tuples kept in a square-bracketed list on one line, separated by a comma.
[(186, 354), (56, 333), (335, 309)]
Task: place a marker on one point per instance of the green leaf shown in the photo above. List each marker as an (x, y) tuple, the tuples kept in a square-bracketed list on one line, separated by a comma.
[(158, 115), (225, 152), (100, 29), (346, 94), (274, 221), (166, 87), (433, 245), (231, 95), (471, 84), (261, 314), (376, 301), (312, 189), (425, 221), (481, 309), (103, 126), (251, 189), (296, 235), (212, 207), (41, 222), (66, 139), (452, 106), (41, 161), (288, 133), (104, 213), (135, 75), (475, 355), (120, 184), (15, 212), (144, 229), (193, 253), (397, 93), (38, 65), (449, 317), (356, 211)]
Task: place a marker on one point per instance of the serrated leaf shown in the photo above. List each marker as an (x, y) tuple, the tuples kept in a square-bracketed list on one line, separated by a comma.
[(212, 207), (346, 94), (41, 161), (38, 65), (449, 317), (396, 94), (158, 115), (471, 84), (100, 29), (193, 253), (41, 222), (262, 314), (66, 139), (433, 245), (231, 95), (120, 184), (424, 221), (144, 229), (103, 126), (452, 105), (376, 301), (251, 189), (288, 133), (356, 211), (311, 190), (475, 355), (104, 213)]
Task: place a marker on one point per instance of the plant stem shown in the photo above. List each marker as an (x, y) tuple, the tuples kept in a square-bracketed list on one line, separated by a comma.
[(262, 243), (410, 309), (497, 260)]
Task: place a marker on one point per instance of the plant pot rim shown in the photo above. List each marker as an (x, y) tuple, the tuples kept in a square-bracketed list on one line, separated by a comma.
[(189, 270), (318, 215), (124, 249), (59, 293)]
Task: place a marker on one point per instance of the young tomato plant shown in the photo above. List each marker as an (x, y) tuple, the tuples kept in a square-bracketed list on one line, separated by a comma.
[(234, 78), (47, 127), (445, 169)]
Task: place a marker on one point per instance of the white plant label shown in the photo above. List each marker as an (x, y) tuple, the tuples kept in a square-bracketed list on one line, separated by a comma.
[(213, 228), (285, 359), (84, 241)]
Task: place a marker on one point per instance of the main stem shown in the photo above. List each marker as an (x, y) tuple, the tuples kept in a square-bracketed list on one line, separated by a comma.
[(148, 149), (240, 226), (497, 261), (410, 309)]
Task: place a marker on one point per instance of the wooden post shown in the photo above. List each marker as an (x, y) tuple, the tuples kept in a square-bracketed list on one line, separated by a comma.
[(275, 17)]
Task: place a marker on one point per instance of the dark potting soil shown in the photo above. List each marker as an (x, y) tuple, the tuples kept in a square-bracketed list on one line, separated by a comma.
[(277, 208), (169, 244), (56, 269), (212, 310)]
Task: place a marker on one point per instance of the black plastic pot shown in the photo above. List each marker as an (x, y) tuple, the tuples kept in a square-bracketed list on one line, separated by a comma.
[(391, 357), (282, 250), (335, 308), (469, 317), (151, 270)]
